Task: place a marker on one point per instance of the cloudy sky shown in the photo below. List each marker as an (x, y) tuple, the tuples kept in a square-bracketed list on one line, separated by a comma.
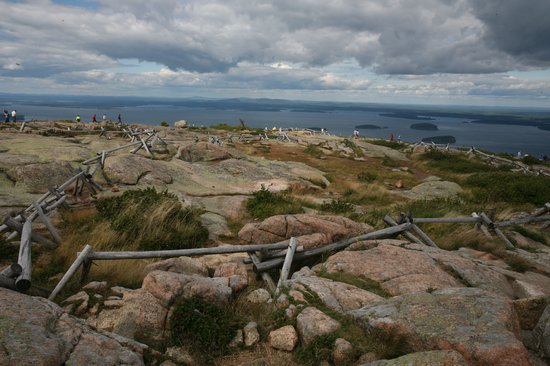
[(488, 52)]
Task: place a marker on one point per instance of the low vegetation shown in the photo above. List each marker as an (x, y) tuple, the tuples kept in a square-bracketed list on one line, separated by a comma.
[(455, 163), (265, 203), (207, 326), (509, 187), (153, 220)]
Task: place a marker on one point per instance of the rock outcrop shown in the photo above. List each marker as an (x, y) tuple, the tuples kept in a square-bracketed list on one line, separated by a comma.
[(310, 230), (35, 331), (480, 325)]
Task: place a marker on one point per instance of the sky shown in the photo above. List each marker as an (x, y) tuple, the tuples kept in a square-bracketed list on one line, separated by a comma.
[(463, 52)]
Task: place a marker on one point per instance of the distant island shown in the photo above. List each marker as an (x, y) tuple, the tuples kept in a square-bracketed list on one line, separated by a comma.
[(440, 139), (424, 126), (407, 115), (369, 127)]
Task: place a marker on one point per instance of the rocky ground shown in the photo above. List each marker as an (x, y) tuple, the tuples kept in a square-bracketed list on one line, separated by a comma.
[(378, 302)]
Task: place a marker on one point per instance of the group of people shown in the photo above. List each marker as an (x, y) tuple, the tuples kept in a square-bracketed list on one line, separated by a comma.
[(7, 115), (94, 118)]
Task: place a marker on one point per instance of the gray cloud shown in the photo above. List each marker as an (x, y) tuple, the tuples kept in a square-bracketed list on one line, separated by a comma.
[(235, 43), (517, 27)]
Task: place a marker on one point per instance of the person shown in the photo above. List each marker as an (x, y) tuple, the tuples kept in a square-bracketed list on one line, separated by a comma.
[(356, 133), (119, 119), (94, 118), (6, 116), (104, 118), (78, 118), (14, 115), (398, 138), (391, 136)]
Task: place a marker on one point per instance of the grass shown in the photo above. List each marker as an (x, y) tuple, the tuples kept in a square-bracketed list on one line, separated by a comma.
[(136, 220), (361, 282), (531, 234), (509, 187), (367, 177), (385, 344), (314, 151), (264, 204), (338, 206), (137, 216), (455, 163)]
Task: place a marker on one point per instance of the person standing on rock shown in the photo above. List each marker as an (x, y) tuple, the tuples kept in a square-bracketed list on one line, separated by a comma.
[(356, 133), (119, 119), (94, 118), (14, 115), (77, 118), (6, 116)]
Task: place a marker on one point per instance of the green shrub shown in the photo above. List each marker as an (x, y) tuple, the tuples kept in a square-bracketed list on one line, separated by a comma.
[(164, 124), (207, 325), (509, 187), (530, 160), (391, 144), (337, 206), (265, 203)]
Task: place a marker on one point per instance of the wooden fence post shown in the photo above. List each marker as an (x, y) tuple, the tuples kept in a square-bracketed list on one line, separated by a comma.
[(265, 276), (71, 271), (287, 263), (23, 281)]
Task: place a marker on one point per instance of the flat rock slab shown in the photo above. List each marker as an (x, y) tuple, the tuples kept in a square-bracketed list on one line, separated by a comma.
[(338, 296), (431, 190), (398, 270), (478, 324)]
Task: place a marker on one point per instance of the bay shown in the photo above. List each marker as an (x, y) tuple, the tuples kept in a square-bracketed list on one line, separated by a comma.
[(339, 121)]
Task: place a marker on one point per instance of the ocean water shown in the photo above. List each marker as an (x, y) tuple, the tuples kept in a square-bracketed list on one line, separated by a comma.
[(497, 138)]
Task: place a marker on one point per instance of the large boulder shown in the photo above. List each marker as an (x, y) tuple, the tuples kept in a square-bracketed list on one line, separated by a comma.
[(480, 325), (141, 316), (202, 151), (326, 228), (181, 124), (35, 331), (169, 286), (432, 189)]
